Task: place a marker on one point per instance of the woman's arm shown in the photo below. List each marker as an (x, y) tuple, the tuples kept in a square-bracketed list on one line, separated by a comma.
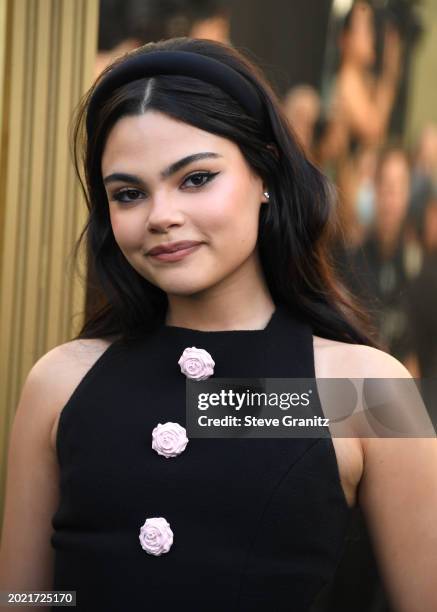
[(32, 487), (398, 495), (26, 556), (368, 108)]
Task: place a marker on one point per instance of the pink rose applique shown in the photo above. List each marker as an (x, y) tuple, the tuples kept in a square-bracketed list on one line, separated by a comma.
[(196, 363), (156, 537), (169, 439)]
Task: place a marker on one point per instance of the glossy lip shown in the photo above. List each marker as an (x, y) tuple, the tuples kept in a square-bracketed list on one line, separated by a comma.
[(171, 247), (177, 255)]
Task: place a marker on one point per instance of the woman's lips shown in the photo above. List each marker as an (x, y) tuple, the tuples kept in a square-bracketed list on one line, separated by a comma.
[(176, 255)]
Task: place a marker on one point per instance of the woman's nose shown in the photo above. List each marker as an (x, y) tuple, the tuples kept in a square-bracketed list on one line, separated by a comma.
[(163, 214)]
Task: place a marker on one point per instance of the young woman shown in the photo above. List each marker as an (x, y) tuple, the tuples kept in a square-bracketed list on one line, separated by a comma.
[(207, 231)]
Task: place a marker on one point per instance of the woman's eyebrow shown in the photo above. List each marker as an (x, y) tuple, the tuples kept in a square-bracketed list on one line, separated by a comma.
[(164, 174)]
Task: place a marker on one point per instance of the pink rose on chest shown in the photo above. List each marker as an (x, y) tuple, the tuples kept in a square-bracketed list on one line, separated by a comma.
[(196, 363), (169, 439)]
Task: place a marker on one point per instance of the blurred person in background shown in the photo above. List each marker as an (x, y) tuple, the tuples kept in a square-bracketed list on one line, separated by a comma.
[(424, 174), (361, 103), (364, 192), (127, 24), (117, 34), (382, 268), (359, 111), (422, 297), (214, 23), (357, 198), (302, 108)]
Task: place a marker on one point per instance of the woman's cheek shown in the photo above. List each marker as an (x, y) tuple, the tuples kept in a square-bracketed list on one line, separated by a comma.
[(116, 225), (127, 230)]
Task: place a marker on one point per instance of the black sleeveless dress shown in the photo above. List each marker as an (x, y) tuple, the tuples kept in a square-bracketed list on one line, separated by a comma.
[(258, 524)]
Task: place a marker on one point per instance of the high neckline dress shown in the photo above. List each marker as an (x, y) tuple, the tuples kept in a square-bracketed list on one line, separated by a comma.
[(257, 524)]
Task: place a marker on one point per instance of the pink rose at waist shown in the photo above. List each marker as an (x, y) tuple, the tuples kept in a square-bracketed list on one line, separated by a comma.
[(156, 537)]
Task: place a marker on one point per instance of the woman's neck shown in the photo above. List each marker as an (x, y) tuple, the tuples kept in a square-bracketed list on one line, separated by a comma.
[(235, 304)]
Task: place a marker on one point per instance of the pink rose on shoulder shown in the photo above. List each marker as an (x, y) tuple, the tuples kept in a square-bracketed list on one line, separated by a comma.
[(196, 363), (156, 537), (169, 439)]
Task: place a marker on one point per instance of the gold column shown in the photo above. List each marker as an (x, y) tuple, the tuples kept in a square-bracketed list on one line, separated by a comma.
[(47, 54)]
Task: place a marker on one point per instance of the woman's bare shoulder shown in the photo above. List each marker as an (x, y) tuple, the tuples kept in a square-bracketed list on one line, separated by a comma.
[(336, 359), (60, 370), (72, 357), (77, 349)]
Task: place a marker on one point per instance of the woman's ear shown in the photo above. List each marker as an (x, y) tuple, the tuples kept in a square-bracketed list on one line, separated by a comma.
[(266, 195)]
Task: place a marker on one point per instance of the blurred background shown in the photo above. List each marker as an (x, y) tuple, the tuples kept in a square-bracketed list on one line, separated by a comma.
[(357, 82)]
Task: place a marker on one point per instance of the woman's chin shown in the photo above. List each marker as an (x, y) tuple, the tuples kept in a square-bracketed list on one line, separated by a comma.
[(187, 288)]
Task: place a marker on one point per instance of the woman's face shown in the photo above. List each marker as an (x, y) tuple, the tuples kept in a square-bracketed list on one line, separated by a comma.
[(392, 191), (214, 200)]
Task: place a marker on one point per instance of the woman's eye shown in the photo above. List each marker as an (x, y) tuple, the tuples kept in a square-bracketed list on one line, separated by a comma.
[(132, 195), (200, 178), (127, 195)]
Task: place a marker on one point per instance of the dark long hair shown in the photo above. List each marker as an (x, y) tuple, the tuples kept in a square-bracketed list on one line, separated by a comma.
[(294, 228)]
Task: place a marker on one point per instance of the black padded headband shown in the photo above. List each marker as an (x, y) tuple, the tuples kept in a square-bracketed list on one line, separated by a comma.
[(184, 63)]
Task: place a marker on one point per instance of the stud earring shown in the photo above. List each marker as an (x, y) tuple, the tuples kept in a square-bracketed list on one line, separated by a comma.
[(267, 195)]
